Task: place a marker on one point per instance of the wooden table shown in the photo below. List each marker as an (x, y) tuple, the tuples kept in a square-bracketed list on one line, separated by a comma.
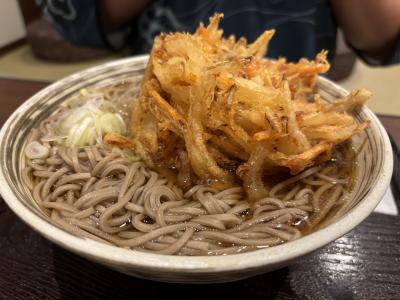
[(364, 264)]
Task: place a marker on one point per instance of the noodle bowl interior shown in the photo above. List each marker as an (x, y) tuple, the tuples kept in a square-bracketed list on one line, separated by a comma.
[(107, 194)]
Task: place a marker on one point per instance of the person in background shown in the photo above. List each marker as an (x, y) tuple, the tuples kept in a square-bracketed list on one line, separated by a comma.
[(304, 28)]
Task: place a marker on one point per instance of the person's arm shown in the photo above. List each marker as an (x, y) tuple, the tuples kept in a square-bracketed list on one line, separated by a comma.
[(117, 13), (371, 26)]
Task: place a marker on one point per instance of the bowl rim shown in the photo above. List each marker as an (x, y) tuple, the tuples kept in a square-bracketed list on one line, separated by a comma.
[(196, 264)]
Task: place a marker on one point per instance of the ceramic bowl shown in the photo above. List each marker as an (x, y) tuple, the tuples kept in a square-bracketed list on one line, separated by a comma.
[(373, 179)]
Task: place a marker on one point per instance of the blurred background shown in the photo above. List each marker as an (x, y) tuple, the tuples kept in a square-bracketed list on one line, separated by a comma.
[(30, 49)]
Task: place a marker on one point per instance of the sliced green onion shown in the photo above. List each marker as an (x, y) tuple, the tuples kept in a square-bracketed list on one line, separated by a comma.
[(87, 124)]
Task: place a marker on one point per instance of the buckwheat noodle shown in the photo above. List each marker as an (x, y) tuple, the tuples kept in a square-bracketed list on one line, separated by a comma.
[(96, 192)]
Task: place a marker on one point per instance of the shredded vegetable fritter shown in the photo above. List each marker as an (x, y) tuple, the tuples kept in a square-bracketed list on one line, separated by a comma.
[(215, 110)]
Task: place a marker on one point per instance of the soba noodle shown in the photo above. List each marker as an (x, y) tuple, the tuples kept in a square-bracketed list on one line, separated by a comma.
[(97, 192)]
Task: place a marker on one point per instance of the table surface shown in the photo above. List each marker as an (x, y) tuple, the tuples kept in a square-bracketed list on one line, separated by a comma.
[(363, 264)]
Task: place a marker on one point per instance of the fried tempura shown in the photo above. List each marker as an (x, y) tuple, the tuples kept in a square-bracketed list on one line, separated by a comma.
[(216, 110)]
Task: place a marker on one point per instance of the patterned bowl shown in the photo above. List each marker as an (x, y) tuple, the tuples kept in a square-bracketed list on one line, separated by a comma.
[(373, 179)]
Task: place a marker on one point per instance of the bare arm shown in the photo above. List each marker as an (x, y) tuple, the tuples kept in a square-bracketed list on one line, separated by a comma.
[(369, 25), (116, 13)]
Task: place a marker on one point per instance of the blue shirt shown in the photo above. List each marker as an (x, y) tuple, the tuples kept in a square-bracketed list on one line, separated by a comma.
[(303, 28)]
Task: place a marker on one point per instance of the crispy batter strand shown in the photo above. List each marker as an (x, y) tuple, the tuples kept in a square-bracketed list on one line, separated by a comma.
[(230, 113)]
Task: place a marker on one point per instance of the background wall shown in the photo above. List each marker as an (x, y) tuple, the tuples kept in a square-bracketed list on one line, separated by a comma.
[(11, 23)]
